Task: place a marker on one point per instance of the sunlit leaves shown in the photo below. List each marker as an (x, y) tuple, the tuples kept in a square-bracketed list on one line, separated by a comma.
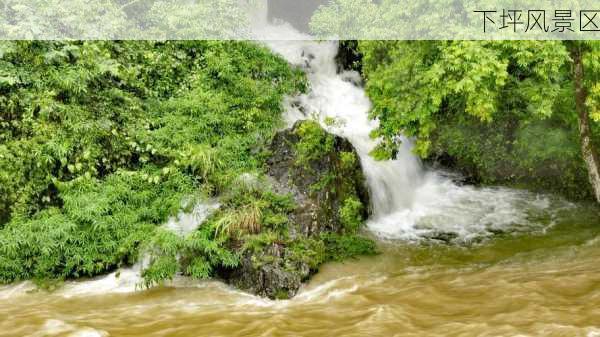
[(593, 102)]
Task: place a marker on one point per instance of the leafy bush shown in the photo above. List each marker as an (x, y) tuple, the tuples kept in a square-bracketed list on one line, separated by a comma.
[(250, 208), (314, 142), (343, 246), (502, 111), (351, 214), (101, 141)]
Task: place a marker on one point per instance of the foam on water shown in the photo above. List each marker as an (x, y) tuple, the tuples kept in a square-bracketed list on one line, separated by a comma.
[(18, 289), (186, 223), (56, 327), (127, 280), (320, 293), (409, 202)]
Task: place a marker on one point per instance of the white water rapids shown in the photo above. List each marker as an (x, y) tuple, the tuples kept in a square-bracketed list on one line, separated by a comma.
[(409, 202)]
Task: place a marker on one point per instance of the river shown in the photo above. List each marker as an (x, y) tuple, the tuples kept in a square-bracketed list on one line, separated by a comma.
[(544, 283), (455, 260)]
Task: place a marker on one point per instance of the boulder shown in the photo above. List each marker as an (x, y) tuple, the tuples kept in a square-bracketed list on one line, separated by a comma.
[(324, 175), (322, 171)]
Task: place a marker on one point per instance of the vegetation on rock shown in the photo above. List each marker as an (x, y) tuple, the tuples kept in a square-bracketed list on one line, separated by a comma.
[(322, 203), (102, 141)]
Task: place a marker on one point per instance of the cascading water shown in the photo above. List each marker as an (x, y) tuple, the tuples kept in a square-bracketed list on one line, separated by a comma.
[(409, 202)]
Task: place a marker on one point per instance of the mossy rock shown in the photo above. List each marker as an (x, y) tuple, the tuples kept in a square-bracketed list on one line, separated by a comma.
[(323, 174), (268, 273)]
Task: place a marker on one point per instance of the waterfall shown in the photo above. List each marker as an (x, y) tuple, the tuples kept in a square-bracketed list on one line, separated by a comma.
[(409, 201)]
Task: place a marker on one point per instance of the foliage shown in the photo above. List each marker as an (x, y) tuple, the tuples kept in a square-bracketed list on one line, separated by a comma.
[(196, 255), (348, 160), (343, 246), (314, 142), (351, 214), (250, 207), (432, 78), (403, 20), (592, 68), (258, 242), (503, 110), (102, 141), (540, 155), (308, 250), (123, 19)]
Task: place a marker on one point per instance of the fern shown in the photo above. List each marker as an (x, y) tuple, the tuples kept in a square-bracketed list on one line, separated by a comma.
[(102, 141)]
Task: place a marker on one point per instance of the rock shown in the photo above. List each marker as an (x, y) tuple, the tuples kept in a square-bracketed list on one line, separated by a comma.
[(348, 56), (460, 174), (321, 184), (324, 175), (268, 273), (441, 236)]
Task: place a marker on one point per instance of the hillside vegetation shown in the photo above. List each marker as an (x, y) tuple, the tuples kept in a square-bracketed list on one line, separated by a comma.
[(100, 142)]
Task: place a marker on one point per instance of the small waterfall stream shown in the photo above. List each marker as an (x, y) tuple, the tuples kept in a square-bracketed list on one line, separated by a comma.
[(409, 201)]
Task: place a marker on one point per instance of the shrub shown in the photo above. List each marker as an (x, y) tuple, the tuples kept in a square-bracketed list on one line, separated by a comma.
[(351, 214), (102, 141)]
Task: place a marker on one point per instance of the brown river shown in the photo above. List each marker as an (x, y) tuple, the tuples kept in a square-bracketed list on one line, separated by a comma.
[(542, 283)]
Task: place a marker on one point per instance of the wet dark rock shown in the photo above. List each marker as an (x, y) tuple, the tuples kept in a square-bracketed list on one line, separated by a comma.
[(269, 273), (318, 208), (498, 231), (460, 174), (348, 56), (320, 185), (445, 237)]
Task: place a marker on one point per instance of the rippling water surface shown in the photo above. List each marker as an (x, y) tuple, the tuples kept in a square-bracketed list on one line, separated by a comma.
[(542, 283)]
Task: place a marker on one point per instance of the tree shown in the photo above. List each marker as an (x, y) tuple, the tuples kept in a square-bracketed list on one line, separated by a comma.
[(123, 20), (415, 84), (578, 51)]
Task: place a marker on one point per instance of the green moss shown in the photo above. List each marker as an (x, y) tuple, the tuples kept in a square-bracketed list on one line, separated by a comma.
[(341, 247), (327, 180), (307, 250), (329, 121), (351, 214), (257, 242), (282, 295), (314, 142), (348, 160)]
